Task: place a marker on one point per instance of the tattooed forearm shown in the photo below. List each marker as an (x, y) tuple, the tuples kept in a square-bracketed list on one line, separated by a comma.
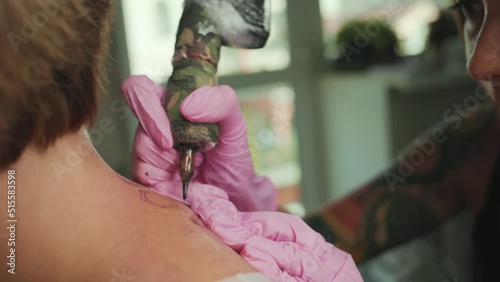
[(374, 219), (444, 148), (395, 218), (431, 181)]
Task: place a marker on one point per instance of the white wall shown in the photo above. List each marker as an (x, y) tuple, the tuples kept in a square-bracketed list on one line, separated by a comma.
[(356, 114)]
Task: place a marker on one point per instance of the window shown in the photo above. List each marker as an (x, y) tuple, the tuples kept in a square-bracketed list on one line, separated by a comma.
[(151, 27), (409, 19), (269, 112)]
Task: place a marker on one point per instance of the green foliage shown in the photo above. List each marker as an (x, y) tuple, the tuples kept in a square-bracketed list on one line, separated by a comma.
[(372, 37)]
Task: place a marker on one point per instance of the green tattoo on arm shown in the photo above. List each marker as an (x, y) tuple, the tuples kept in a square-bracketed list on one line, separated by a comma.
[(423, 188)]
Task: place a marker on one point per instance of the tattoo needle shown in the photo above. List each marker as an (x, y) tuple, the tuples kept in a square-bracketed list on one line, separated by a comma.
[(186, 168)]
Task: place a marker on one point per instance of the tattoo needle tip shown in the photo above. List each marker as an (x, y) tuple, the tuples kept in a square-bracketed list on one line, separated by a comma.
[(186, 166), (185, 184)]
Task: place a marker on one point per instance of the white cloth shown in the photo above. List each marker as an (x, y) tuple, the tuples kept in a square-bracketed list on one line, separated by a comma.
[(247, 277)]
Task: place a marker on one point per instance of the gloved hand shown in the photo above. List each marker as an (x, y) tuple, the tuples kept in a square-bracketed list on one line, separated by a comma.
[(228, 166), (279, 245)]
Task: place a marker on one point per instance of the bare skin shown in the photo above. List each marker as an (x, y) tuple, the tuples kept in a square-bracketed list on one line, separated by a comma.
[(90, 224), (481, 28)]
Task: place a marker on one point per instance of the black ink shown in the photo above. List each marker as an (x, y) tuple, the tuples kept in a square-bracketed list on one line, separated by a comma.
[(405, 217)]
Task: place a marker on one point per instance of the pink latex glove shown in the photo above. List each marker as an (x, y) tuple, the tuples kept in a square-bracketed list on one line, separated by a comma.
[(228, 165), (279, 245)]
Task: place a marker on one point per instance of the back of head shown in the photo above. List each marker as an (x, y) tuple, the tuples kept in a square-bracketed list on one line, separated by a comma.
[(51, 69)]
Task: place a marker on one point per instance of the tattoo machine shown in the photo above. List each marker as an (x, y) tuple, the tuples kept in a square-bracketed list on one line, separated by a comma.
[(205, 25)]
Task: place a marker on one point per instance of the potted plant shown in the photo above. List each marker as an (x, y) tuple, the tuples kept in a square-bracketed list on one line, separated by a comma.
[(361, 43)]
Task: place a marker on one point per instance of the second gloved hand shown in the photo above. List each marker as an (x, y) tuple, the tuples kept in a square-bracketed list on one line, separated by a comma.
[(228, 166)]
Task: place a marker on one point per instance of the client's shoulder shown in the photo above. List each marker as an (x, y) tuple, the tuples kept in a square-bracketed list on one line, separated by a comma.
[(160, 239)]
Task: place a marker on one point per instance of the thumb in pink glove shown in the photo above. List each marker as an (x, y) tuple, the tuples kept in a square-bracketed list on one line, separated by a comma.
[(228, 166)]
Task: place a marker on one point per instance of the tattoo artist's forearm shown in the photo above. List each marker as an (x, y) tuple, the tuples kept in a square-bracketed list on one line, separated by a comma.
[(420, 191), (376, 218)]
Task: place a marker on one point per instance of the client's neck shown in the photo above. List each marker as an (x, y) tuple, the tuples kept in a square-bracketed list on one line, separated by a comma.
[(71, 162), (60, 195)]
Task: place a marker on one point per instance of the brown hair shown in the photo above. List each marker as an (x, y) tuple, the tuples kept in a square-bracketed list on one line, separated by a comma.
[(51, 69)]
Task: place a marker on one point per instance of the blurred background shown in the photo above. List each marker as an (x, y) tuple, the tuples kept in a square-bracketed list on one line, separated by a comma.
[(339, 90)]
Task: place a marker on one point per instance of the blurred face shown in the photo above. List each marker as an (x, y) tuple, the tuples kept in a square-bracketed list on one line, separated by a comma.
[(482, 40)]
